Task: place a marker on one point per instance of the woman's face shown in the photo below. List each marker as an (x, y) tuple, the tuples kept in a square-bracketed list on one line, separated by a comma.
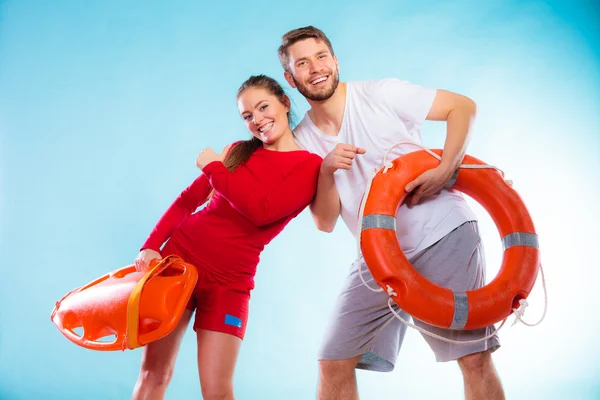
[(264, 114)]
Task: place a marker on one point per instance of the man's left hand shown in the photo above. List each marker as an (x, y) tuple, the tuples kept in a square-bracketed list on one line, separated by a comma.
[(428, 183)]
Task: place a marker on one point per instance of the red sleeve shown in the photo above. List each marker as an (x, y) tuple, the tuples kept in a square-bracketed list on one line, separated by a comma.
[(184, 205), (261, 206)]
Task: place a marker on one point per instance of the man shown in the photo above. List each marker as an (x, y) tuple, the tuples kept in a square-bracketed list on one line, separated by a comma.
[(352, 125)]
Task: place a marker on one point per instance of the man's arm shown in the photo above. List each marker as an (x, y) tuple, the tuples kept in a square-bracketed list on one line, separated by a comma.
[(326, 206), (459, 113)]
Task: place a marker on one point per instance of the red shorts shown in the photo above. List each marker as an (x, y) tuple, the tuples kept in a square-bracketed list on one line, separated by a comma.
[(220, 305)]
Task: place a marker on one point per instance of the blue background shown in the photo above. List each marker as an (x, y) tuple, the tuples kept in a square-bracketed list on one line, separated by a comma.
[(104, 106)]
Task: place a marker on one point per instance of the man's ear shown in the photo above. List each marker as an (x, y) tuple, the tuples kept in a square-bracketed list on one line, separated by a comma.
[(288, 77)]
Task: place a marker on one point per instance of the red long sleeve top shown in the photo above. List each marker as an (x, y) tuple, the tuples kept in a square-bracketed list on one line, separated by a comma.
[(251, 206)]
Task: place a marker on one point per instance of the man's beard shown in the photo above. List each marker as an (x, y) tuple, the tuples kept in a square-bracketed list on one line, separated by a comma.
[(318, 95)]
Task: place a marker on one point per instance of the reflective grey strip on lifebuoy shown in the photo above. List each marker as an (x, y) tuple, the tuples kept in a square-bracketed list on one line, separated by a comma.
[(461, 311), (452, 180), (520, 239), (378, 221)]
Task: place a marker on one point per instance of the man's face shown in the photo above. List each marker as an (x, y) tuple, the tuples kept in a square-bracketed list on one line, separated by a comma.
[(312, 69)]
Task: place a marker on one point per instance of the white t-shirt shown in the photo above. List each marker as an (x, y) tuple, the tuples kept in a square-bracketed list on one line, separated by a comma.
[(379, 114)]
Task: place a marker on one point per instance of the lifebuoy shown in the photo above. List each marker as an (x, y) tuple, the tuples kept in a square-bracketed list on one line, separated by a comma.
[(136, 307), (423, 299)]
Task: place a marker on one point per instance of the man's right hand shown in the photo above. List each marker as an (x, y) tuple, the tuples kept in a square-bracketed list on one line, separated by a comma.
[(340, 157), (142, 261)]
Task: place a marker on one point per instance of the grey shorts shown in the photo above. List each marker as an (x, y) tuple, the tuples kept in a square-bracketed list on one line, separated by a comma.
[(362, 323)]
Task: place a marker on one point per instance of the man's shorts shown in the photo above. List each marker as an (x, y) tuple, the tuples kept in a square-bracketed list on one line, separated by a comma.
[(362, 323)]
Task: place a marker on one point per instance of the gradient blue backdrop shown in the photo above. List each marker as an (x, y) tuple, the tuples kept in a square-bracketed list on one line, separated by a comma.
[(104, 106)]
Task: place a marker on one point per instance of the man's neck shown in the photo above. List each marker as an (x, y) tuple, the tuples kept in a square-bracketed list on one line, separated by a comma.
[(328, 115)]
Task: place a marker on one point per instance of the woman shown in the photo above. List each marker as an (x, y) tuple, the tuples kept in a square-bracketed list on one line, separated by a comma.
[(255, 187)]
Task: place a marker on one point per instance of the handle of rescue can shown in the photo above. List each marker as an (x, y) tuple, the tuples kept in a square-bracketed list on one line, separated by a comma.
[(131, 339)]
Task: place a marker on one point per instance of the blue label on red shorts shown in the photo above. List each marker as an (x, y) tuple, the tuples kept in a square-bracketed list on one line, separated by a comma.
[(233, 321)]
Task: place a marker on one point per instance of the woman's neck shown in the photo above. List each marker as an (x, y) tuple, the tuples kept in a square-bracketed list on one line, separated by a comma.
[(285, 143)]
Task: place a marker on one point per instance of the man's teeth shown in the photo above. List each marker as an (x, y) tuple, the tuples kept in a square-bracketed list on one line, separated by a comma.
[(319, 80), (266, 127)]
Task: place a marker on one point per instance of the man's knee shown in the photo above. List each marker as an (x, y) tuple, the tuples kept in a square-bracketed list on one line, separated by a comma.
[(338, 370), (476, 362)]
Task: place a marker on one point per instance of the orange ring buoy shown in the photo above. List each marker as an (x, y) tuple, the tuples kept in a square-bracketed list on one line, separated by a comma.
[(420, 297), (135, 307)]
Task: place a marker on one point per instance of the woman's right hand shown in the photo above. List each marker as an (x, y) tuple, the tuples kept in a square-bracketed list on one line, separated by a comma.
[(142, 261), (208, 155)]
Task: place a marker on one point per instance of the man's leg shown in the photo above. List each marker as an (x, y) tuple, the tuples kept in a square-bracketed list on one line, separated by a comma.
[(457, 262), (480, 377), (362, 333), (337, 379)]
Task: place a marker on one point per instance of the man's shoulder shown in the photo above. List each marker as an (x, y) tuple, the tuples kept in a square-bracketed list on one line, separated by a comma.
[(371, 84), (373, 90)]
